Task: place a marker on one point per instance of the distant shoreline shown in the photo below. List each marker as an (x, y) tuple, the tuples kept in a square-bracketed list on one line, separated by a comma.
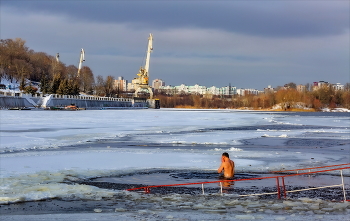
[(270, 109)]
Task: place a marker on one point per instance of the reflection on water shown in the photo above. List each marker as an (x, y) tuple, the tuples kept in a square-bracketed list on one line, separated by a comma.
[(226, 181)]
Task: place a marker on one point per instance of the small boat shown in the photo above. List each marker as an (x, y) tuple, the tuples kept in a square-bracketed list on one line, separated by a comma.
[(71, 107)]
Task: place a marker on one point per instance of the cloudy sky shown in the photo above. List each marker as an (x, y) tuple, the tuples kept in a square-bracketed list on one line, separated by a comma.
[(250, 44)]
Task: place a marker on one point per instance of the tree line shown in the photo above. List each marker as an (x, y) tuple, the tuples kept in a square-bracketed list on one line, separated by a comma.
[(19, 64), (285, 98)]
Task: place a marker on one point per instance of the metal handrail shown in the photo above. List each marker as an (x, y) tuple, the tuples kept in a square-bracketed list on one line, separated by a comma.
[(282, 177), (311, 168)]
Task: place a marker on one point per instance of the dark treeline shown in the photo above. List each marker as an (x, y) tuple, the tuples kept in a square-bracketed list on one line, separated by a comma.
[(19, 64), (287, 98)]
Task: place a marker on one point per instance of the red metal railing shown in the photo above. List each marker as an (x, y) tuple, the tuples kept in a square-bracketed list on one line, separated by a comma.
[(314, 172), (278, 186), (311, 168), (147, 188)]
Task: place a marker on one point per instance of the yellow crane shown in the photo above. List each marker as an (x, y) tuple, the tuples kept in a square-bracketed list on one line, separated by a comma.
[(141, 82)]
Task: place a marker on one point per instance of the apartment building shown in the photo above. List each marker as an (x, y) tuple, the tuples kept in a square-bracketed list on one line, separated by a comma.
[(157, 83), (121, 84)]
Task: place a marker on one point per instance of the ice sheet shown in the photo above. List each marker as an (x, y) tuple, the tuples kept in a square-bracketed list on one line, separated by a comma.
[(33, 162)]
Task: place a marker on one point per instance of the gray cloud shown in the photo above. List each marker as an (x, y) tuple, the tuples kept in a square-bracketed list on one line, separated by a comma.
[(249, 44), (262, 18)]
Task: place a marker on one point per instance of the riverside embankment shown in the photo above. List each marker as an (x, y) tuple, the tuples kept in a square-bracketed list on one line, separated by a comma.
[(20, 100)]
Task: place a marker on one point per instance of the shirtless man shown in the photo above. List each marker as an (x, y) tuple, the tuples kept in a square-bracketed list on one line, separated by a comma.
[(227, 165)]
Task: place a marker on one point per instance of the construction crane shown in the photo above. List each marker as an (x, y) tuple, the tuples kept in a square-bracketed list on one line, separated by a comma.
[(141, 82), (81, 60)]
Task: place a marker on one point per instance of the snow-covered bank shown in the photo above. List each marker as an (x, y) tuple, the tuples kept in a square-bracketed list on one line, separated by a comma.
[(336, 110), (178, 215)]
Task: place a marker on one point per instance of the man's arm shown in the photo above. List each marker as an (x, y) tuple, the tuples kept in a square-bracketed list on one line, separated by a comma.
[(221, 168)]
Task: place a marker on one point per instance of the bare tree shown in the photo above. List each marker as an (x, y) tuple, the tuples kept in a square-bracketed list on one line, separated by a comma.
[(22, 69), (41, 63), (99, 87), (71, 71), (86, 79), (109, 86), (12, 51), (291, 85)]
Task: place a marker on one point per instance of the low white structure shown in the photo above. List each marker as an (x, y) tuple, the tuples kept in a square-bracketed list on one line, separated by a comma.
[(198, 89), (338, 86), (248, 91)]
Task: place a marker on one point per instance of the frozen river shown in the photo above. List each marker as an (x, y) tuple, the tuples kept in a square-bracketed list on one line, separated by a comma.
[(45, 154)]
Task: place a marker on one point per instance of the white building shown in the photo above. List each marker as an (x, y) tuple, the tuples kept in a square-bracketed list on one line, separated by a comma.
[(248, 91), (228, 90), (269, 89), (318, 85), (214, 90), (157, 83), (182, 89), (168, 89), (338, 86), (197, 89)]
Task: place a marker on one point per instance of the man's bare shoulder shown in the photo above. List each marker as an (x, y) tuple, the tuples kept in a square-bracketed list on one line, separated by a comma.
[(226, 162)]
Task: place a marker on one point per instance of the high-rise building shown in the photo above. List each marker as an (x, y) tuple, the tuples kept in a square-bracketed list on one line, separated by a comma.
[(157, 83), (121, 84)]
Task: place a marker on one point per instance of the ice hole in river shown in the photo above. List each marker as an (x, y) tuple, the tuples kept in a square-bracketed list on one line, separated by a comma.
[(166, 177)]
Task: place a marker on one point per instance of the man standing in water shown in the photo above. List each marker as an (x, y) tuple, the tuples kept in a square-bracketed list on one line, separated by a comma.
[(227, 165)]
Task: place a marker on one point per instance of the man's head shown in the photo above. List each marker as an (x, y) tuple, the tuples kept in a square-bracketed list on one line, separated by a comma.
[(226, 155)]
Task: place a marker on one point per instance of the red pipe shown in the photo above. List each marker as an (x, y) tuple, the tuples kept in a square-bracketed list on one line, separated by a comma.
[(284, 189), (278, 188)]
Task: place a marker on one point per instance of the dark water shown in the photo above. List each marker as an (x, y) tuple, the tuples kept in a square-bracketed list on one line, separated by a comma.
[(167, 177)]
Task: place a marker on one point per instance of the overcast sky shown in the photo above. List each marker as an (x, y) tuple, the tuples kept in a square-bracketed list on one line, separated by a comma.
[(250, 44)]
